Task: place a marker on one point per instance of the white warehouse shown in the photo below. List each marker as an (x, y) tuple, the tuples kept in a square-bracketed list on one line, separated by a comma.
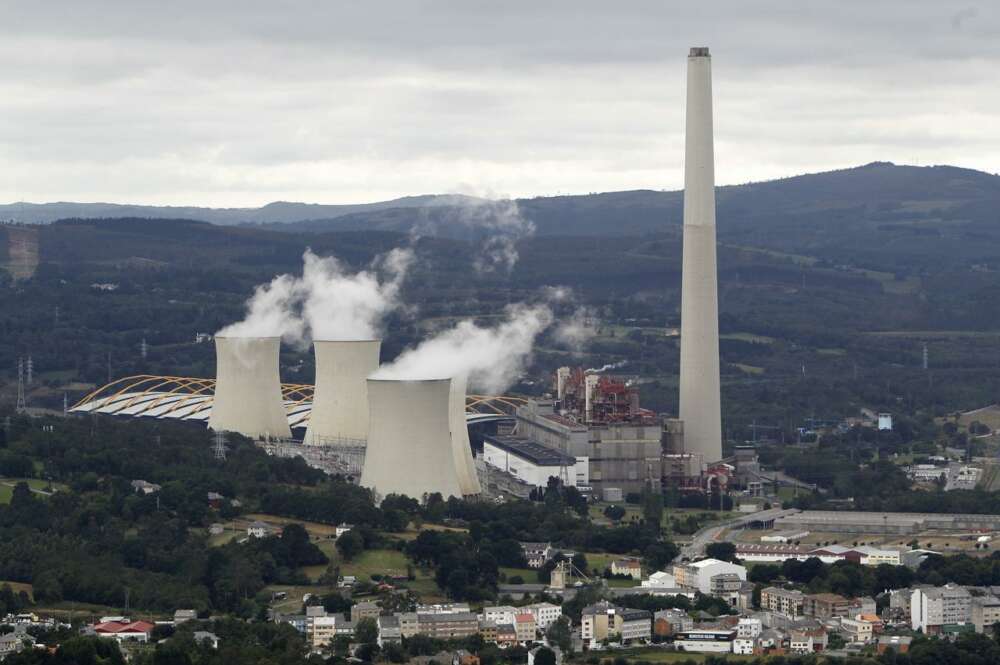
[(533, 463)]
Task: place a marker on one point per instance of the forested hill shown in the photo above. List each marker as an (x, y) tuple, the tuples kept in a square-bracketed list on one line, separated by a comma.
[(801, 211)]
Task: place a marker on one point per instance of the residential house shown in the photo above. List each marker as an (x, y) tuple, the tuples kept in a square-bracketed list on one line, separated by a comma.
[(143, 487), (14, 642), (180, 616), (627, 567), (525, 627), (258, 529), (341, 529), (749, 627), (744, 646), (858, 630), (807, 641), (785, 602), (898, 643), (537, 554), (205, 637)]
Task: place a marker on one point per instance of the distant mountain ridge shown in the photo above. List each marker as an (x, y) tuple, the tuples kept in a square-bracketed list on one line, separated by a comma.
[(831, 202)]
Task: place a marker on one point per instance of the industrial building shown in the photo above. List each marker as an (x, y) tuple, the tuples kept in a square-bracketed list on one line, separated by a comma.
[(699, 372), (532, 462), (411, 455), (698, 575), (248, 396), (340, 400), (899, 524)]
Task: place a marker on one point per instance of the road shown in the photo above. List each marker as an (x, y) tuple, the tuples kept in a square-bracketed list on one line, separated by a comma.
[(712, 532)]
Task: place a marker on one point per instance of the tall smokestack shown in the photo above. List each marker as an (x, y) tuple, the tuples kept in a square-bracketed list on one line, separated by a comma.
[(699, 381)]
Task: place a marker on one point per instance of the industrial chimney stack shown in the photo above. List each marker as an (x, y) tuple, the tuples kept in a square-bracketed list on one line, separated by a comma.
[(699, 380)]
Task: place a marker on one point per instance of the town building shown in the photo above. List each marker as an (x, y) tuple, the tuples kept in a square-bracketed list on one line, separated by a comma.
[(636, 625), (749, 627), (782, 601), (525, 627), (537, 554), (545, 614), (898, 643), (448, 626), (698, 575), (933, 608), (258, 529), (488, 631), (506, 635), (364, 610), (599, 622), (807, 641), (321, 630), (180, 616), (825, 605), (671, 621), (122, 630), (628, 567), (744, 646), (389, 631), (859, 630), (501, 613), (659, 580), (15, 642), (705, 641), (533, 463), (985, 612)]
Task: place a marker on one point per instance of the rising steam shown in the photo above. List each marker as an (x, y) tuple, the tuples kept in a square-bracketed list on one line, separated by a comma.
[(492, 358), (496, 225), (327, 302)]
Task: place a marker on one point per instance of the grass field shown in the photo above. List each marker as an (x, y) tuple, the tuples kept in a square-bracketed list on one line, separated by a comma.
[(7, 486), (18, 587)]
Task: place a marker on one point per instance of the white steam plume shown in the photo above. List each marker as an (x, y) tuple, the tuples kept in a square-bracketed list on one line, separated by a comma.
[(496, 224), (271, 312), (576, 331), (492, 358), (340, 305), (598, 370), (327, 302)]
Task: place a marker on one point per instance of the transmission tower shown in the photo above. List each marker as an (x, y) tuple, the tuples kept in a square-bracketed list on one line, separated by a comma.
[(20, 386), (65, 404), (925, 356), (219, 447), (30, 371), (143, 348)]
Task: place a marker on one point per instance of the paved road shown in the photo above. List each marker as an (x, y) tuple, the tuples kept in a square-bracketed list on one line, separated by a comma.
[(712, 532)]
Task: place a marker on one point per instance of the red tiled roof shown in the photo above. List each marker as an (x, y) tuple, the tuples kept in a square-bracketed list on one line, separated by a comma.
[(524, 618), (117, 627)]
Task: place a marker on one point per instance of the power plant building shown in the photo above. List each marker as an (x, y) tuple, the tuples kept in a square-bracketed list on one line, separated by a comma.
[(410, 449), (248, 397), (533, 463), (699, 369), (340, 401)]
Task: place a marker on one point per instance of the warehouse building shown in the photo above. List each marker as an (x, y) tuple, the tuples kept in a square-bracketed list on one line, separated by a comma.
[(533, 463)]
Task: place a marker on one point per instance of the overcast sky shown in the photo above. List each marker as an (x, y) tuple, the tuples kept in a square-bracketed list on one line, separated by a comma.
[(242, 103)]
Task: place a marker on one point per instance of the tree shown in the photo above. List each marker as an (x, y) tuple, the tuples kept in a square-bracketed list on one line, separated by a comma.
[(614, 512), (721, 551), (545, 656), (350, 545), (366, 632), (657, 555), (560, 634)]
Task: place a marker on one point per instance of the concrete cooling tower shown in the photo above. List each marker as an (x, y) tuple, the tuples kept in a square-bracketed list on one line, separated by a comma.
[(410, 448), (248, 388), (340, 402), (461, 446), (699, 376)]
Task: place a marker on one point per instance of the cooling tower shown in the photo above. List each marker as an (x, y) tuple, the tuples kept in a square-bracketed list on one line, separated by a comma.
[(468, 480), (410, 448), (340, 402), (247, 388), (699, 380)]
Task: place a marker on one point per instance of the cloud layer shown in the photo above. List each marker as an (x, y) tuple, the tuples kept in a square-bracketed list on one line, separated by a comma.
[(241, 103)]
